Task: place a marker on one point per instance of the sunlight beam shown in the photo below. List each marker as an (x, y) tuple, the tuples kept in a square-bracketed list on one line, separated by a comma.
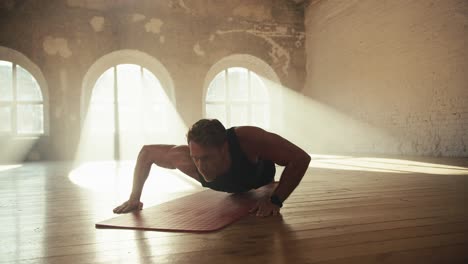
[(383, 165)]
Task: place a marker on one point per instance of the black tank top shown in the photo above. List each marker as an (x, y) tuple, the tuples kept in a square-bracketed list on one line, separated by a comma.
[(243, 174)]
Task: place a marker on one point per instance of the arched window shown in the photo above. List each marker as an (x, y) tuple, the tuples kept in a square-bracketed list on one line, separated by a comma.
[(238, 96), (127, 109), (241, 89), (128, 98), (21, 101), (128, 101)]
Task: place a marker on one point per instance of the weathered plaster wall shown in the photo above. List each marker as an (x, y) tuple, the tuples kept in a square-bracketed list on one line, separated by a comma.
[(398, 67), (64, 38)]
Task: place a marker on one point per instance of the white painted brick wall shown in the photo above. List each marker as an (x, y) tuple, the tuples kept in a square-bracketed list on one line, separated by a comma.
[(399, 67)]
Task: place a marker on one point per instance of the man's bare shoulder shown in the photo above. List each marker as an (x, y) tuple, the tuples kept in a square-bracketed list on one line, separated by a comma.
[(249, 133), (268, 145), (181, 148)]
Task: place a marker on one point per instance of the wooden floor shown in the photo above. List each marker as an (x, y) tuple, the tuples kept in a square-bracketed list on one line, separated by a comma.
[(346, 210)]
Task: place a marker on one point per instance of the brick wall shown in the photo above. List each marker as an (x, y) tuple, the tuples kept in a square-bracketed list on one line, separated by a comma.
[(396, 71)]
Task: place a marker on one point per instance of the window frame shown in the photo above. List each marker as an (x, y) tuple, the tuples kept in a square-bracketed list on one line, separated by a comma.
[(18, 59), (227, 102), (123, 57), (260, 68), (117, 103)]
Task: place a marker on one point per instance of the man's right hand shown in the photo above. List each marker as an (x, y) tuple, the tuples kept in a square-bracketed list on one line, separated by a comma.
[(128, 206)]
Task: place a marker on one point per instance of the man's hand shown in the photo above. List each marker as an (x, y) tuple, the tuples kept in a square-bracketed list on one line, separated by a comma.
[(128, 206), (265, 208)]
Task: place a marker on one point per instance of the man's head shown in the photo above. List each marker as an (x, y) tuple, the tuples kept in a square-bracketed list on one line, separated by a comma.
[(208, 147)]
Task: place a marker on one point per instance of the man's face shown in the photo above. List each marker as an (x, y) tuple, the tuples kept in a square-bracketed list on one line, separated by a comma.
[(210, 161)]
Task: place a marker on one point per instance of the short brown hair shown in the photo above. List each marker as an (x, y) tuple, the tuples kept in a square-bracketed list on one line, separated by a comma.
[(207, 132)]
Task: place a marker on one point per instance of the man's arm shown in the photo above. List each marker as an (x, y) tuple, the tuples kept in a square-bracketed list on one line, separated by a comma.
[(270, 146), (166, 156)]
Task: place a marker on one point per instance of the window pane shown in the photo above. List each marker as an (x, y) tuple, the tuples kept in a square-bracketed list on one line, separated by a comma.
[(5, 119), (217, 88), (142, 101), (27, 87), (239, 115), (30, 119), (217, 111), (156, 118), (258, 88), (101, 117), (260, 115), (6, 81), (238, 85), (129, 83), (103, 90), (152, 88), (129, 119)]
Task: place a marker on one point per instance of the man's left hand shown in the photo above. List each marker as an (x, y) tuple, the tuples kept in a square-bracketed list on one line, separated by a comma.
[(265, 208)]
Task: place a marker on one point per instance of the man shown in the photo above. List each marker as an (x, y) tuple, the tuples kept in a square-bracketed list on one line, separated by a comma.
[(233, 160)]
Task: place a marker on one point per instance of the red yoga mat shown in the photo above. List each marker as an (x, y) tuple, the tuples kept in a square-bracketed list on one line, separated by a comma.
[(204, 211)]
